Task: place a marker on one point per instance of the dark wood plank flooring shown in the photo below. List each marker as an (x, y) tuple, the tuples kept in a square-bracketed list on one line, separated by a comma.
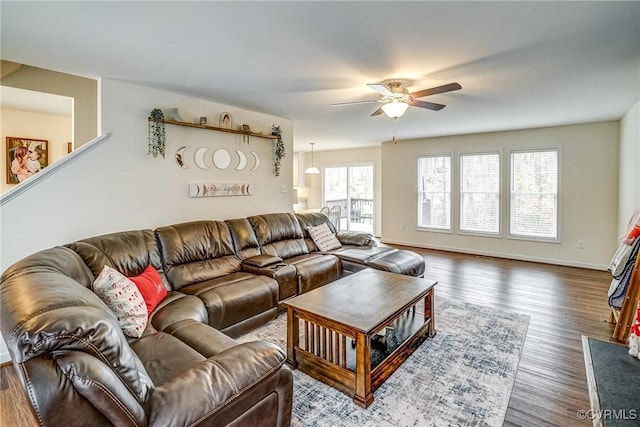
[(563, 302)]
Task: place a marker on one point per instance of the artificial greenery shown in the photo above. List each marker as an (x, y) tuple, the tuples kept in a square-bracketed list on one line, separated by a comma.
[(278, 152), (156, 137)]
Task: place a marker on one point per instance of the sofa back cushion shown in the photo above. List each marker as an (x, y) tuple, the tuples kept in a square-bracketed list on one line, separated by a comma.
[(279, 234), (59, 259), (129, 252), (244, 238), (197, 251)]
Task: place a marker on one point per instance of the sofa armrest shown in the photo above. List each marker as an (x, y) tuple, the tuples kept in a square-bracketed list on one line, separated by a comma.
[(356, 238), (214, 387), (261, 261)]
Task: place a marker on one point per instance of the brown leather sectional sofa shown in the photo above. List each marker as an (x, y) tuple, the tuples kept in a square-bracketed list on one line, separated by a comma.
[(224, 278)]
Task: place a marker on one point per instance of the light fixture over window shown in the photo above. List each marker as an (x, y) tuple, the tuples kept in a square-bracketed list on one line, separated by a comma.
[(395, 108), (312, 170)]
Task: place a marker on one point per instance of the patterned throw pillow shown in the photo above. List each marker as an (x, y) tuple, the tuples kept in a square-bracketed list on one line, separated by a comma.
[(324, 239), (124, 299)]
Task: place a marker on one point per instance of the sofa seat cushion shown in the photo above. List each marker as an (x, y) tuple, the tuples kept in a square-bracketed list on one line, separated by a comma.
[(399, 261), (235, 297), (315, 270), (165, 357), (202, 338), (362, 254)]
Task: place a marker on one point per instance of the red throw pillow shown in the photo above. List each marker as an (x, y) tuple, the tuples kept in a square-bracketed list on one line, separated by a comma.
[(151, 287)]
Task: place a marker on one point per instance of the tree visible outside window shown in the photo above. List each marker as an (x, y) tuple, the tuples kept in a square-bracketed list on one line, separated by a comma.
[(434, 192), (480, 193), (534, 194)]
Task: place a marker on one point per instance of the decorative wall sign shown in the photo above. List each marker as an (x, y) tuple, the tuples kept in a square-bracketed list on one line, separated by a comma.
[(222, 158), (219, 190)]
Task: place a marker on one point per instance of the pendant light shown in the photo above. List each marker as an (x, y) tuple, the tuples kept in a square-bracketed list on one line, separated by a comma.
[(312, 170)]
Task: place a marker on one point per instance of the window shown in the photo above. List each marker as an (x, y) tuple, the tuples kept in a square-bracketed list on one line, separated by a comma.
[(480, 193), (434, 192), (534, 194)]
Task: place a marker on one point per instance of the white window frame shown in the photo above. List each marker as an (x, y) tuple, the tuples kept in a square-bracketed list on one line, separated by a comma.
[(499, 195), (513, 235), (419, 192)]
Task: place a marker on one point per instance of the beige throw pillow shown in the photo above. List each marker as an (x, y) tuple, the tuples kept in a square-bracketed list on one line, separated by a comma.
[(124, 299), (324, 239)]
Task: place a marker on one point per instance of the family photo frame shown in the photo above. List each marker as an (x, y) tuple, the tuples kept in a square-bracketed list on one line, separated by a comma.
[(25, 157)]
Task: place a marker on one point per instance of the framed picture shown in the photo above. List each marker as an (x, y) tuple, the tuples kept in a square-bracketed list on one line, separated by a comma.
[(25, 157)]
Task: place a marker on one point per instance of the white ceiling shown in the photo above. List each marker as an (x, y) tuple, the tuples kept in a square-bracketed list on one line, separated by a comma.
[(520, 64)]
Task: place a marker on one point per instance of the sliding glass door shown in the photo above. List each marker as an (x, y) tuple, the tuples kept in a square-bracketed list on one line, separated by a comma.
[(351, 188)]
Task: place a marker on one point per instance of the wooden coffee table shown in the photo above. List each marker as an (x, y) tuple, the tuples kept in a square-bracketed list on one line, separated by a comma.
[(353, 333)]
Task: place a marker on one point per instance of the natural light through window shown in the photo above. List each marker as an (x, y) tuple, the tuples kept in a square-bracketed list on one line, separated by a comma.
[(480, 193), (534, 194), (434, 192)]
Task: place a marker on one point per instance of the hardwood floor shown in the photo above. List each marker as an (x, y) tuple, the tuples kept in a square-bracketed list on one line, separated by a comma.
[(563, 303)]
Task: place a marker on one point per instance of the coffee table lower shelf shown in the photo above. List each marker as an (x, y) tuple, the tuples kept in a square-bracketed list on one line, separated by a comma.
[(353, 361)]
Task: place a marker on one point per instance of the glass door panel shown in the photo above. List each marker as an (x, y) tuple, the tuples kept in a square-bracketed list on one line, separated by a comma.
[(351, 188)]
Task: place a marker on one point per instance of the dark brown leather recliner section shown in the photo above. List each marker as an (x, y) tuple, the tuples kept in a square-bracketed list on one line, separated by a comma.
[(200, 260), (254, 261), (223, 279), (280, 235)]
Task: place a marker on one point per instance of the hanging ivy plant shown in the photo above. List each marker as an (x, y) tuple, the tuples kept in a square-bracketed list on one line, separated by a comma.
[(278, 152), (156, 135)]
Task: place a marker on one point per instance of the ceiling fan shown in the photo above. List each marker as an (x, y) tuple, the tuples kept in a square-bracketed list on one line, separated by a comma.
[(396, 98)]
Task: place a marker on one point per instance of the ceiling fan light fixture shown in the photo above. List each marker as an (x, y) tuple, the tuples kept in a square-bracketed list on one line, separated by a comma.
[(395, 108), (312, 170)]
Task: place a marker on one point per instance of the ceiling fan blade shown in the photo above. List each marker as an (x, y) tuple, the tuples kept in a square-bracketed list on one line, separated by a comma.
[(438, 89), (380, 88), (428, 105), (337, 104), (377, 112)]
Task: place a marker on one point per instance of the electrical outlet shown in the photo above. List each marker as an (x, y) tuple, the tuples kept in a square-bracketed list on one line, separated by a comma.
[(580, 244), (284, 188), (403, 228)]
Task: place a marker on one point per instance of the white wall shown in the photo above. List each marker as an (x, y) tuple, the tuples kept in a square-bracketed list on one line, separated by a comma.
[(629, 166), (588, 194), (55, 129)]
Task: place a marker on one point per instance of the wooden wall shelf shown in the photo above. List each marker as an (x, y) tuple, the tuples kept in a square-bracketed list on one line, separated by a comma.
[(207, 127)]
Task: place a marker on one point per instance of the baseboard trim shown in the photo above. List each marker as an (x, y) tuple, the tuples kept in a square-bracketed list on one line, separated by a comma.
[(5, 358), (498, 255)]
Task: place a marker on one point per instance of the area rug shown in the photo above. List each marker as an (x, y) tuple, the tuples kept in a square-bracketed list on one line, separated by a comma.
[(462, 377)]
